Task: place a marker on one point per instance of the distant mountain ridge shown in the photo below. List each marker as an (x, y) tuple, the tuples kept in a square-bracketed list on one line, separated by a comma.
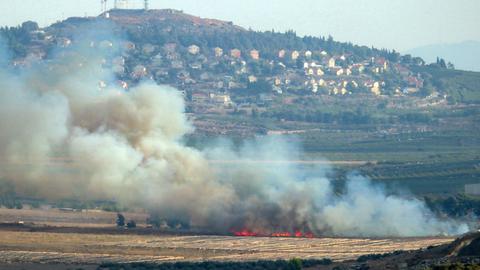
[(464, 55)]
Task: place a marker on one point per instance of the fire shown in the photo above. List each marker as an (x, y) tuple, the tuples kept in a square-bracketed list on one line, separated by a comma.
[(245, 232), (297, 234), (281, 234)]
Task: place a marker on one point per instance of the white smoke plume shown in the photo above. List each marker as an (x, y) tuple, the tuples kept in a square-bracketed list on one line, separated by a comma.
[(63, 137)]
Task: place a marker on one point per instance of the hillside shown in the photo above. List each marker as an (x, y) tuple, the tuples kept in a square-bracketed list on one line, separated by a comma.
[(409, 123)]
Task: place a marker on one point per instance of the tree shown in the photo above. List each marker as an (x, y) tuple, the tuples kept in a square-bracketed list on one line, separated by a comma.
[(30, 26), (120, 220), (260, 86), (294, 264), (131, 224)]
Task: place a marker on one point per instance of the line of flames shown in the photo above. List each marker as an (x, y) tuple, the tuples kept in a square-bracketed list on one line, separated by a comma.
[(297, 234)]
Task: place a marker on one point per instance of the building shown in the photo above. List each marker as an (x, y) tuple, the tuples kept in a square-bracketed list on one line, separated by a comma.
[(331, 62), (376, 89), (252, 79), (139, 71), (235, 53), (193, 49), (295, 55), (218, 52), (255, 54), (281, 54), (338, 71), (308, 54), (473, 189), (224, 100), (148, 48)]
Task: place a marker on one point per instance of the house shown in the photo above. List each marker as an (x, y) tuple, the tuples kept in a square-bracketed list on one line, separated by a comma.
[(195, 65), (205, 76), (308, 54), (235, 53), (376, 89), (139, 71), (157, 60), (472, 189), (409, 90), (295, 55), (347, 71), (162, 74), (281, 54), (172, 56), (338, 91), (338, 71), (319, 72), (402, 70), (277, 81), (223, 99), (331, 62), (323, 53), (218, 52), (148, 49), (322, 82), (357, 68), (200, 97), (176, 64), (252, 79), (255, 54), (414, 81), (193, 49), (382, 63)]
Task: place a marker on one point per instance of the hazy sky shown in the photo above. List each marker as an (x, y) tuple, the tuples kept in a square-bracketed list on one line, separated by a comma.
[(398, 24)]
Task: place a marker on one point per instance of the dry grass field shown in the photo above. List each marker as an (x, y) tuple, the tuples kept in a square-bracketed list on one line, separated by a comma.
[(42, 247), (55, 246)]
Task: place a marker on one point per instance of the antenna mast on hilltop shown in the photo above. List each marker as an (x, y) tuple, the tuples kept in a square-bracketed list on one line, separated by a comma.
[(103, 5), (146, 5)]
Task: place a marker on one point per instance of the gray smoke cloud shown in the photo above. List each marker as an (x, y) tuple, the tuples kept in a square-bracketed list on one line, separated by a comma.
[(61, 136)]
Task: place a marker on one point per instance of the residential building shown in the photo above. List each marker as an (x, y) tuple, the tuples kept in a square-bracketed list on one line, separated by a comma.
[(235, 53), (218, 52), (295, 55), (255, 54), (193, 49), (331, 62)]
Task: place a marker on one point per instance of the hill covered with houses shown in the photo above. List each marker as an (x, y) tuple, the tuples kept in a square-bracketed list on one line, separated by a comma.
[(225, 69), (409, 123)]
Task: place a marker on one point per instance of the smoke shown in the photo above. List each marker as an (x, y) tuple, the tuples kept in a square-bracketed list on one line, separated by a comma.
[(63, 136)]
